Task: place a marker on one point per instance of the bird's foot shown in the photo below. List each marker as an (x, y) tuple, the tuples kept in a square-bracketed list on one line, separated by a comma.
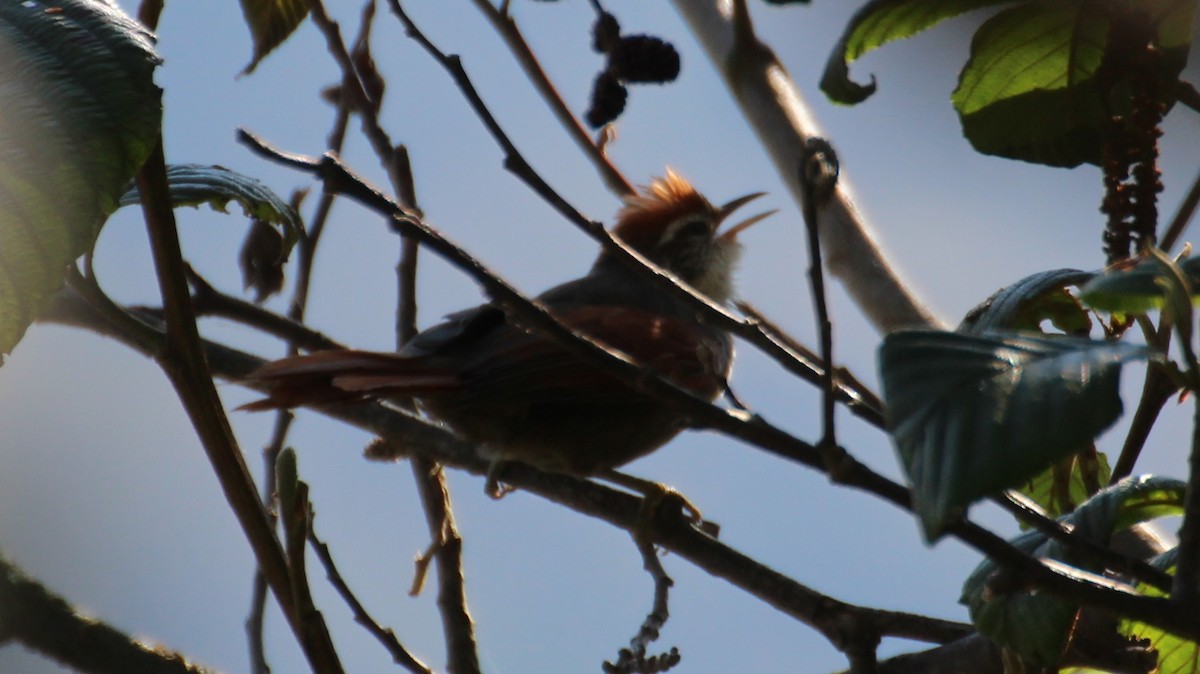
[(492, 485), (657, 496)]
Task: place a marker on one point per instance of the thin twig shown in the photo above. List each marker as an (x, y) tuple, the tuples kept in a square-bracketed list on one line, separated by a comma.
[(515, 163), (633, 659), (208, 301), (850, 390), (182, 358), (256, 622), (384, 635), (217, 302), (1183, 215), (506, 26), (818, 175), (1082, 548), (1157, 389), (775, 108), (354, 88), (462, 651)]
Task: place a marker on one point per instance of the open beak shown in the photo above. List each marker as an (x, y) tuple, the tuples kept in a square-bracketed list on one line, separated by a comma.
[(726, 210)]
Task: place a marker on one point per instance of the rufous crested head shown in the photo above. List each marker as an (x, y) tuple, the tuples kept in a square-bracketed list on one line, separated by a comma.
[(641, 221), (672, 224)]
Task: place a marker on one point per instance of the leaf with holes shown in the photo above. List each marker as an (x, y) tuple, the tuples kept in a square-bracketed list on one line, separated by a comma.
[(79, 114), (1026, 303), (876, 24), (1175, 655), (971, 415), (1035, 624), (216, 186)]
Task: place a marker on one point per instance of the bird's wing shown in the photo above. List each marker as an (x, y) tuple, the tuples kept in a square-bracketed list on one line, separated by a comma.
[(520, 365)]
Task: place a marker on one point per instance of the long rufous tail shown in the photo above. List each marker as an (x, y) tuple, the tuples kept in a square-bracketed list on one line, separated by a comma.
[(328, 377)]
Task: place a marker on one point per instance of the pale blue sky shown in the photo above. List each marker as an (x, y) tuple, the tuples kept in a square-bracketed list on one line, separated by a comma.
[(105, 494)]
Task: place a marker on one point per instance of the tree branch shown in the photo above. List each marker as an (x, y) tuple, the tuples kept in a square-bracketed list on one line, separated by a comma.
[(38, 619), (181, 357), (774, 107), (506, 26)]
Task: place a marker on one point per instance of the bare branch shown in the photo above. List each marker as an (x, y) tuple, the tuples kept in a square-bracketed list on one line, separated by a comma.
[(181, 356), (818, 168), (462, 651), (633, 659), (38, 619), (385, 635), (773, 105), (506, 26)]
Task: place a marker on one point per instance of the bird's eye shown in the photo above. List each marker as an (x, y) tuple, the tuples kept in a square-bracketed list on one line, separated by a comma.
[(692, 229)]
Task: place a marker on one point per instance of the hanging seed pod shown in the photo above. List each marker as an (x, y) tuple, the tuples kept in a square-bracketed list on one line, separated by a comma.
[(262, 260), (644, 59), (606, 33), (608, 100)]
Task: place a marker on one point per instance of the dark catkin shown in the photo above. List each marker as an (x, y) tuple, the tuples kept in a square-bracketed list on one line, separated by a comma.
[(644, 59), (608, 100), (1129, 150), (606, 33)]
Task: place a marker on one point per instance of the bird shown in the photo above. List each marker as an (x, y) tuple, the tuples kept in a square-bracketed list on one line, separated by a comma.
[(518, 395)]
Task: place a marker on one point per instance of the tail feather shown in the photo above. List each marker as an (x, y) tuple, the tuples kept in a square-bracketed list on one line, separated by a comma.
[(330, 377)]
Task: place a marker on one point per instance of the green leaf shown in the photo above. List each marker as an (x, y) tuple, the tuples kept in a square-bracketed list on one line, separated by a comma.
[(79, 114), (1136, 290), (1059, 489), (876, 24), (271, 22), (1037, 625), (1026, 303), (971, 415), (1030, 89), (198, 184), (1175, 655)]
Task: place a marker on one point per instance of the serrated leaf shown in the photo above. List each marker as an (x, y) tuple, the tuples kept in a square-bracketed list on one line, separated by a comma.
[(271, 22), (1071, 480), (199, 184), (1030, 89), (971, 415), (874, 25), (79, 113), (1136, 290), (1026, 303), (1037, 625)]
